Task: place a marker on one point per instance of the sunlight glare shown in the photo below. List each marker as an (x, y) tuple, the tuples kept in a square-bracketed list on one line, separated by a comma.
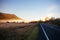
[(48, 16)]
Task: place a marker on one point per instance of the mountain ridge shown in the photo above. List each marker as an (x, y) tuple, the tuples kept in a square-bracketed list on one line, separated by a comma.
[(6, 16)]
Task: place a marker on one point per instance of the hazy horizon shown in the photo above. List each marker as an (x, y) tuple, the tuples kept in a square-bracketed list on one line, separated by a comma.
[(31, 9)]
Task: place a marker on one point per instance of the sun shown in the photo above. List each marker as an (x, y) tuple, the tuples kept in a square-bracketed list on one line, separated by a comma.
[(48, 17)]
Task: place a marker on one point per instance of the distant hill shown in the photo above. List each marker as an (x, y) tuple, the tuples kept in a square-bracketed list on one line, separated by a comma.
[(6, 16)]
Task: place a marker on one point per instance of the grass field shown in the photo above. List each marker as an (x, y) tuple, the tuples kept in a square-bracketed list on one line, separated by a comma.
[(19, 32)]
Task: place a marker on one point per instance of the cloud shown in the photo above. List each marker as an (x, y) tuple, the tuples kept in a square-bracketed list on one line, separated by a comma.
[(52, 9)]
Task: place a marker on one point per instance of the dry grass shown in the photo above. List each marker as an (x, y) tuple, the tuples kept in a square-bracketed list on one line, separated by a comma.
[(18, 31)]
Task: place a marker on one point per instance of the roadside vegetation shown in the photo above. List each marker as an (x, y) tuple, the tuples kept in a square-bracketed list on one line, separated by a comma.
[(55, 21), (29, 32)]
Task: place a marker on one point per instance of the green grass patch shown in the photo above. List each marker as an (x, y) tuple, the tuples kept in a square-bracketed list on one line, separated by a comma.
[(34, 33)]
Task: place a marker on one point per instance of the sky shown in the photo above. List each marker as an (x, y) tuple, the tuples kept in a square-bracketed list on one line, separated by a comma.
[(31, 9)]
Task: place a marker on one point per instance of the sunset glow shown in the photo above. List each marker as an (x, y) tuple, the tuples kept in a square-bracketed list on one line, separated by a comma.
[(50, 15), (29, 20), (11, 20), (32, 10)]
